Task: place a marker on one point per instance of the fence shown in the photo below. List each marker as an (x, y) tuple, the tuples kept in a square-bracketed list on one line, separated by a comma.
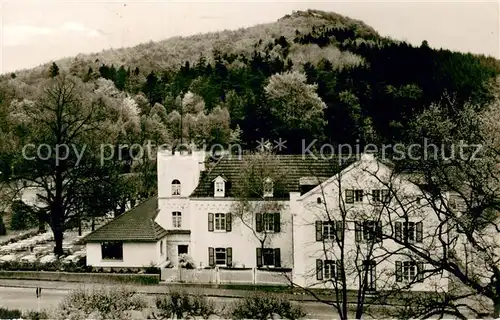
[(227, 276)]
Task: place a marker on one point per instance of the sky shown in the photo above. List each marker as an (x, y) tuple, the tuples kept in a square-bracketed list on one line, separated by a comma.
[(38, 31)]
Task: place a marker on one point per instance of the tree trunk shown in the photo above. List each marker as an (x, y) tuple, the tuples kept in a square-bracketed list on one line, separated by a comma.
[(58, 239), (93, 223), (79, 227)]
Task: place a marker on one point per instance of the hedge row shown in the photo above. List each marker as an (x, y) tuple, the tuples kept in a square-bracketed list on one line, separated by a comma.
[(81, 277)]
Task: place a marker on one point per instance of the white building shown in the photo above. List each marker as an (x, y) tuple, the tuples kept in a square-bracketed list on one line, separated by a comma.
[(193, 214)]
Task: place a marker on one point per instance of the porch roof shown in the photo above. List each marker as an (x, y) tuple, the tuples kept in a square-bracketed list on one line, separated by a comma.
[(135, 225)]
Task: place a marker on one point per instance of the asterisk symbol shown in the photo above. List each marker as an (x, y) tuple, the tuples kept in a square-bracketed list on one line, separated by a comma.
[(280, 144), (263, 144)]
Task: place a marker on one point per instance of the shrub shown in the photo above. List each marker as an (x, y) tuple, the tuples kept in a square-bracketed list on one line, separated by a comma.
[(101, 303), (36, 315), (181, 306), (185, 261), (151, 269), (22, 217), (10, 314), (265, 306)]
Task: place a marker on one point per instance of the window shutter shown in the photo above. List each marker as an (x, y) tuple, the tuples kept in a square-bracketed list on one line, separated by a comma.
[(277, 257), (349, 196), (397, 231), (277, 222), (210, 222), (339, 228), (419, 232), (399, 271), (420, 272), (378, 231), (319, 231), (259, 257), (357, 231), (258, 222), (319, 269), (229, 257), (211, 258), (229, 222)]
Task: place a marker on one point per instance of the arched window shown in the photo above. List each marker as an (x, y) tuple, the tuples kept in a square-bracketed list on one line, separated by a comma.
[(176, 188), (268, 187)]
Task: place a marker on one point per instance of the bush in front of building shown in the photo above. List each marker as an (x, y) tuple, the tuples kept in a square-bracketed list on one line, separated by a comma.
[(10, 313), (263, 306), (101, 303), (36, 315), (180, 305), (185, 261)]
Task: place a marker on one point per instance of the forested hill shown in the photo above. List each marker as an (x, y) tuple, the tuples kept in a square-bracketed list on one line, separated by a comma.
[(309, 75)]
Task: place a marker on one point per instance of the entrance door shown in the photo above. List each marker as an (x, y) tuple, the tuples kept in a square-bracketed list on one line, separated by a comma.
[(182, 249)]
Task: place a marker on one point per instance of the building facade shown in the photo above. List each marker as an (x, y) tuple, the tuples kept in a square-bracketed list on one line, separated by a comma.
[(325, 211)]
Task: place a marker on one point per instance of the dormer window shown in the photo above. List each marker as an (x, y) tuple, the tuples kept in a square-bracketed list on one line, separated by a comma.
[(176, 188), (219, 186), (268, 188)]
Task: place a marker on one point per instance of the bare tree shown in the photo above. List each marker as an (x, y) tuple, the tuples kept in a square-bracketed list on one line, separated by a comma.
[(355, 261), (259, 200)]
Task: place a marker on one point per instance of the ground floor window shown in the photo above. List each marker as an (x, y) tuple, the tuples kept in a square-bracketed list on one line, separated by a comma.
[(112, 250), (268, 257), (220, 256)]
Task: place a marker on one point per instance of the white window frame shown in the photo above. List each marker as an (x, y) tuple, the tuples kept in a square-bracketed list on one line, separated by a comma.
[(218, 261), (370, 232), (265, 252), (268, 221), (330, 267), (220, 222), (176, 220), (329, 232), (268, 188), (176, 188), (219, 186), (409, 271), (407, 227), (358, 195)]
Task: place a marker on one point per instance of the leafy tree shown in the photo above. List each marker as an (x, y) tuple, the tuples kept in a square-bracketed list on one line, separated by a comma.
[(295, 107), (63, 115), (54, 70), (23, 216)]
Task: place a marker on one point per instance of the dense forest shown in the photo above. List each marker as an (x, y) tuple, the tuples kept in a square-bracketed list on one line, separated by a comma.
[(310, 75)]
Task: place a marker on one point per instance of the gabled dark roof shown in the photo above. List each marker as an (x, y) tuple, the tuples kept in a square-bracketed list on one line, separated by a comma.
[(293, 168), (136, 224)]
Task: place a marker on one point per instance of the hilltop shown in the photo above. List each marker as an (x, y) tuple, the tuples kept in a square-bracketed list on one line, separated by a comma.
[(310, 75), (174, 52)]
